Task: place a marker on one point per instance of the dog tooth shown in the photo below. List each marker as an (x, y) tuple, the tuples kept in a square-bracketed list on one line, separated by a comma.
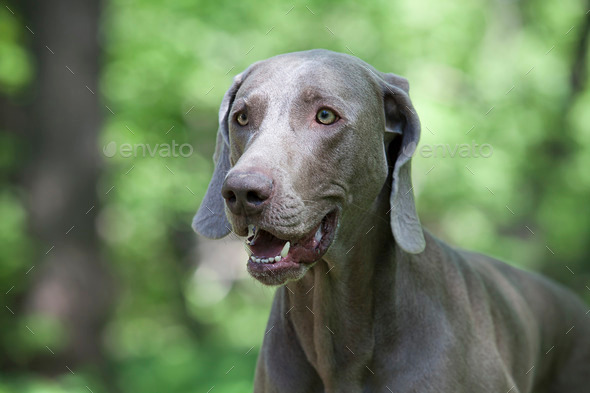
[(250, 230), (277, 258), (318, 234), (285, 250), (257, 260), (248, 250)]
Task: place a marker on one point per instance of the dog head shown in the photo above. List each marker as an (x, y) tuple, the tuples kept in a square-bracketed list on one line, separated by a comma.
[(303, 137)]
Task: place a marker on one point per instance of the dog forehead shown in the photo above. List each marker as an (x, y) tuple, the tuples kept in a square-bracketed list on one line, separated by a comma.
[(310, 73)]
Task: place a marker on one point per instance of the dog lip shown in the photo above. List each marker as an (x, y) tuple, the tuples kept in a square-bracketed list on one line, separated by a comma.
[(295, 239)]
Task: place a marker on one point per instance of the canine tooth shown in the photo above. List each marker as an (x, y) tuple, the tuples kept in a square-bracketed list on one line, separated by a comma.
[(248, 250), (252, 235), (318, 234), (285, 250), (277, 258)]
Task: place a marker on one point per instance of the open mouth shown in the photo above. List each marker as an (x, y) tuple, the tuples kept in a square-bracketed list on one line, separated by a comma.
[(270, 254)]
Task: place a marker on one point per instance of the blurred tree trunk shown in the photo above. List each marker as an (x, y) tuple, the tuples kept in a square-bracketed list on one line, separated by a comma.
[(554, 154), (70, 283)]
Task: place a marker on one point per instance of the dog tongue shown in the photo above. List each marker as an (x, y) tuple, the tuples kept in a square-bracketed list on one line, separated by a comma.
[(267, 245)]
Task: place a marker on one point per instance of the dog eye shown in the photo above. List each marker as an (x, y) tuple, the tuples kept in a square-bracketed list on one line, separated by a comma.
[(242, 119), (326, 116)]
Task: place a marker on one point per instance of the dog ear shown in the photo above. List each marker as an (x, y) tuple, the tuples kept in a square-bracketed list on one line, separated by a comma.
[(210, 220), (402, 121)]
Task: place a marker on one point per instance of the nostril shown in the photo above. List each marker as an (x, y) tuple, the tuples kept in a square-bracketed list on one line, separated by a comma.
[(253, 198), (231, 197)]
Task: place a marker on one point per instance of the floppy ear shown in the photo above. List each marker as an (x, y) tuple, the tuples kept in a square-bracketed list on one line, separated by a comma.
[(401, 119), (210, 220)]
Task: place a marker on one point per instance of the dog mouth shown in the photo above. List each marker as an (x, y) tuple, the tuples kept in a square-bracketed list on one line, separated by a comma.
[(270, 253)]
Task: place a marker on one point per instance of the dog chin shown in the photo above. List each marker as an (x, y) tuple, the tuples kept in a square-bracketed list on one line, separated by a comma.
[(277, 277), (274, 261)]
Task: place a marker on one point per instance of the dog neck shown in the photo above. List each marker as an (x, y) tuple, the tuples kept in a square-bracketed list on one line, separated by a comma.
[(333, 306)]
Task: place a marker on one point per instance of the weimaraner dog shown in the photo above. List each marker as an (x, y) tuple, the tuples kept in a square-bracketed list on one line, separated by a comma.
[(312, 166)]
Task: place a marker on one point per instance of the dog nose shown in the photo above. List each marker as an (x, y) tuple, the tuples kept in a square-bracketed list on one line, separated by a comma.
[(246, 192)]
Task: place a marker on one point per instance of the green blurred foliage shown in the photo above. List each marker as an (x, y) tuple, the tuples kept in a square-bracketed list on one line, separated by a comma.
[(481, 72), (15, 64)]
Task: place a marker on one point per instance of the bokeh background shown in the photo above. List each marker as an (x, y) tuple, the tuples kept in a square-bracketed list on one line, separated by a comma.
[(103, 285)]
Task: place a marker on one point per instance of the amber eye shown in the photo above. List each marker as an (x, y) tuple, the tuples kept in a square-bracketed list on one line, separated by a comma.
[(242, 119), (326, 116)]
